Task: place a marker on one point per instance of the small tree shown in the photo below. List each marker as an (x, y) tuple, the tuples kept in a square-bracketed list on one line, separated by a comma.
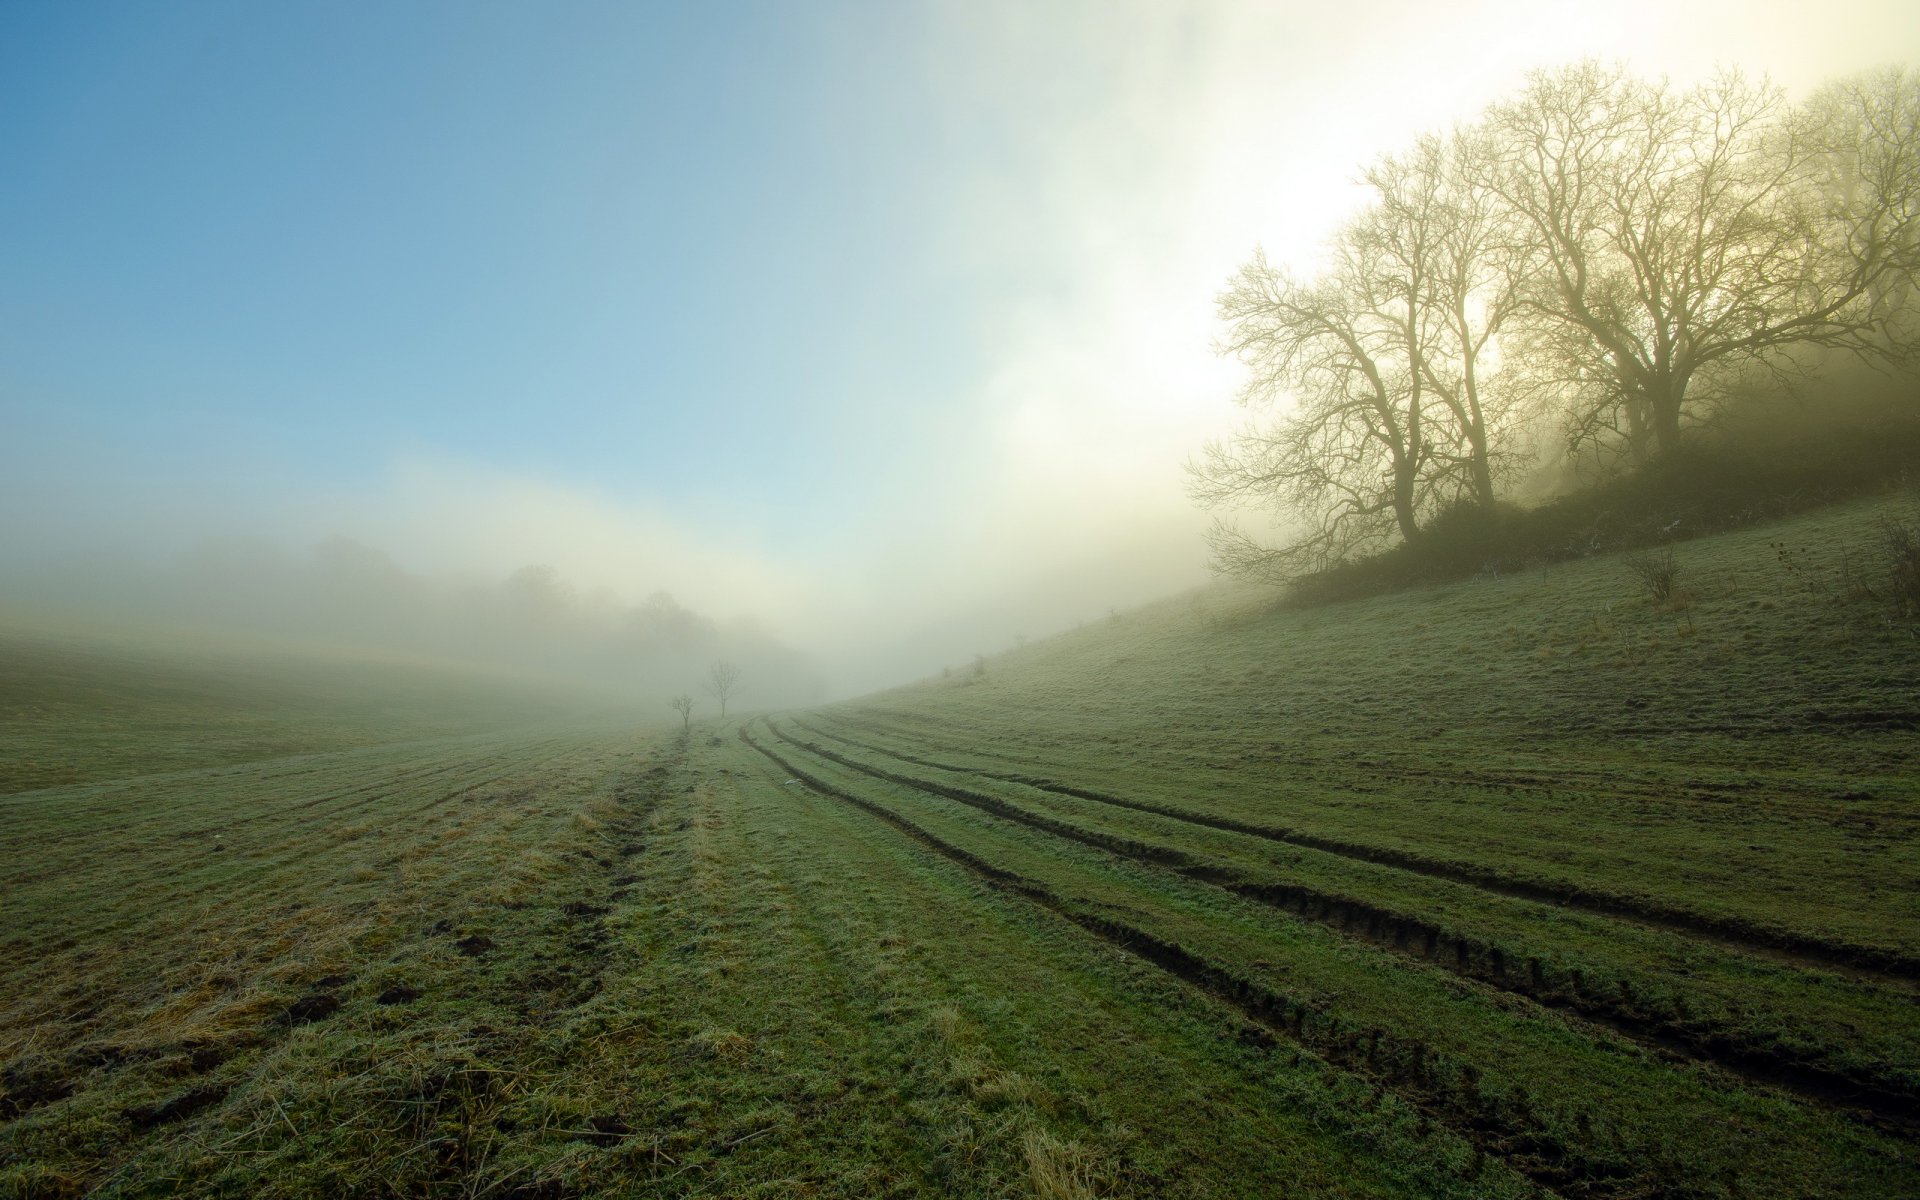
[(723, 680), (1901, 541), (683, 704), (1656, 571)]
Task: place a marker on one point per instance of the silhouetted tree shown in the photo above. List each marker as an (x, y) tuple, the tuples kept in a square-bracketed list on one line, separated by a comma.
[(723, 680), (1379, 366), (683, 704), (1351, 451), (1441, 241)]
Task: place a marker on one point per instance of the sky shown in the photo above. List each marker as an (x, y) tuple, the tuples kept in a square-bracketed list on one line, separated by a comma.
[(887, 324)]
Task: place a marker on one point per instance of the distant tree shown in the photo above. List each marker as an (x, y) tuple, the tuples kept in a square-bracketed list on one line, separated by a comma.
[(537, 596), (664, 622), (723, 680), (683, 704)]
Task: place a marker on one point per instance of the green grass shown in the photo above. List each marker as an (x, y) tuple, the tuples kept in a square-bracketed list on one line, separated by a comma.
[(1520, 886)]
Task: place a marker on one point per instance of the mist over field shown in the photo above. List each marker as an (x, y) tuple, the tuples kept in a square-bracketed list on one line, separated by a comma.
[(883, 333), (477, 582)]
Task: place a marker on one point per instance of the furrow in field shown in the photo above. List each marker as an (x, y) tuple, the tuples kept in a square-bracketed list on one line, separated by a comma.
[(1462, 954), (77, 899), (1560, 1102), (1808, 951), (384, 789), (191, 825)]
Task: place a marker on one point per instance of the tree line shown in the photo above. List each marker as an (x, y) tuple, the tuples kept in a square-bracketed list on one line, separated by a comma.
[(1601, 257), (344, 592)]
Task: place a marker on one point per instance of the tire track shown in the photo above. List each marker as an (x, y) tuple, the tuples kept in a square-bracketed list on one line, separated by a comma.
[(1505, 1125), (1876, 1099), (1803, 950)]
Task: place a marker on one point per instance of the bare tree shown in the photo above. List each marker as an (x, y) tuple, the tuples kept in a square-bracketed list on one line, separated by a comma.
[(683, 704), (1865, 134), (1673, 237), (1381, 366), (723, 680), (1351, 450), (1442, 239)]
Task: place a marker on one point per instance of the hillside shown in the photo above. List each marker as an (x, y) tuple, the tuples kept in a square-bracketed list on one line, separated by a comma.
[(1522, 886), (1762, 729)]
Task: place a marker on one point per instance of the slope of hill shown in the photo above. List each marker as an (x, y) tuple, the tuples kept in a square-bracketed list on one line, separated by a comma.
[(1746, 751)]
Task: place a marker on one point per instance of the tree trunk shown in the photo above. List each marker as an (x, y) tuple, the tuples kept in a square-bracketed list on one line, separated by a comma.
[(1404, 479), (1639, 428), (1481, 472), (1665, 405)]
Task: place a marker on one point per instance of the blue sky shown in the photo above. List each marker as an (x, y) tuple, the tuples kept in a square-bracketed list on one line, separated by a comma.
[(863, 317), (605, 244)]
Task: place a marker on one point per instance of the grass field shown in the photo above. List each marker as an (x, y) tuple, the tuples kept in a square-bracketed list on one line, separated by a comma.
[(1523, 886)]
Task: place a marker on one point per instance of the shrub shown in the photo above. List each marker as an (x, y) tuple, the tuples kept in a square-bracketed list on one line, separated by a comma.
[(1901, 542), (1656, 571), (1765, 461)]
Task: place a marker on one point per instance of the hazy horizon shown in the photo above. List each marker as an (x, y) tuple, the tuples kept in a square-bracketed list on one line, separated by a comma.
[(885, 329)]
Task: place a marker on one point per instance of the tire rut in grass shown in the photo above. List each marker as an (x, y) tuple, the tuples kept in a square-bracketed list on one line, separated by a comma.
[(177, 1107), (574, 971), (1505, 1125), (1877, 1100), (39, 1080), (1803, 950), (547, 956)]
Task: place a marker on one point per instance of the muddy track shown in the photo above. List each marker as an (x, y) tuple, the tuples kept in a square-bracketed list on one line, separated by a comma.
[(1508, 1125), (1564, 991), (569, 979), (1802, 950)]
